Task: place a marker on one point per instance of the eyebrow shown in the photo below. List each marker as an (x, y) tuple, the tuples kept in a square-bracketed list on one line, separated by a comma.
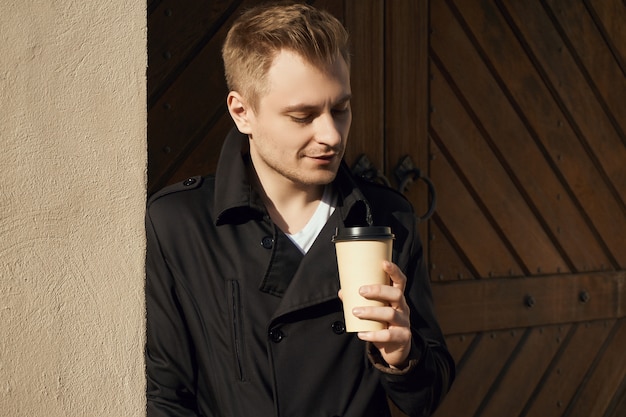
[(312, 107)]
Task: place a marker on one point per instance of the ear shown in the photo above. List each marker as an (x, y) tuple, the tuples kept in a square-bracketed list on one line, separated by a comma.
[(240, 112)]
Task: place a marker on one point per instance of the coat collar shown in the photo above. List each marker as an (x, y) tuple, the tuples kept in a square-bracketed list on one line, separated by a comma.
[(234, 196), (236, 200)]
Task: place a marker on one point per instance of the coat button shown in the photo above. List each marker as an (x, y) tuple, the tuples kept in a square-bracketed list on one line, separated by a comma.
[(276, 335), (339, 327), (267, 242), (189, 181)]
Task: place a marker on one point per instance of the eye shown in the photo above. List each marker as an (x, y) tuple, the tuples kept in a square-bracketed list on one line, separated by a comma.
[(302, 119), (342, 110)]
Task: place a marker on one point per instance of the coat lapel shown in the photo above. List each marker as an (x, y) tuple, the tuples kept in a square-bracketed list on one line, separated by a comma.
[(316, 280)]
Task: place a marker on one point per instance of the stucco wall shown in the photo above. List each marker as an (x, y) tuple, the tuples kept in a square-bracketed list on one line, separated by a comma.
[(72, 181)]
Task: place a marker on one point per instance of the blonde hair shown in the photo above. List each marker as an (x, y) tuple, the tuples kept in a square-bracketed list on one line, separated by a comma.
[(259, 34)]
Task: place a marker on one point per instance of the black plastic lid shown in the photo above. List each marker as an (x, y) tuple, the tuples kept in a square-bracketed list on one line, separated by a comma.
[(363, 233)]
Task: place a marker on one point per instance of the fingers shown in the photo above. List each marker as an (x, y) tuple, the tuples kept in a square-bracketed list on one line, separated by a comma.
[(398, 279), (394, 343), (386, 314), (393, 296), (400, 336), (395, 310)]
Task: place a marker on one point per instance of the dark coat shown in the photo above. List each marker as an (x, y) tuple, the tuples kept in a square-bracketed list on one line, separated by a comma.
[(241, 324)]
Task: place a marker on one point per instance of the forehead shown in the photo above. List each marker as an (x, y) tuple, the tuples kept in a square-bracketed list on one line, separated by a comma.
[(290, 74)]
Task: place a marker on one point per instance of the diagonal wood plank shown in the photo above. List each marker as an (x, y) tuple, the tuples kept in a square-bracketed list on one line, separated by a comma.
[(479, 373), (569, 369), (606, 81), (606, 378), (447, 262), (610, 16), (176, 32), (469, 227), (458, 346), (520, 380)]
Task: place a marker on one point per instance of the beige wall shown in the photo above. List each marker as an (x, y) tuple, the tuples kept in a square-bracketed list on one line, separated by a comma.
[(72, 175)]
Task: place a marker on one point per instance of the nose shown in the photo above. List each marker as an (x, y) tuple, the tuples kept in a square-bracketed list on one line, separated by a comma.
[(331, 130)]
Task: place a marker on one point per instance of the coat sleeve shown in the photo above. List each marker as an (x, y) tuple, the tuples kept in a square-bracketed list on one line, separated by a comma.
[(418, 389), (170, 370)]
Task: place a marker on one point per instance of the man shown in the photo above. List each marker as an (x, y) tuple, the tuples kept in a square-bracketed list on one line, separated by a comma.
[(243, 312)]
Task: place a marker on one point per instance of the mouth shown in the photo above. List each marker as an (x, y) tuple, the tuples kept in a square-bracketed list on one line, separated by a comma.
[(323, 159), (327, 156)]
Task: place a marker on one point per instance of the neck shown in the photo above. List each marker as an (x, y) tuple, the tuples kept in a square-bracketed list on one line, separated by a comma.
[(289, 205)]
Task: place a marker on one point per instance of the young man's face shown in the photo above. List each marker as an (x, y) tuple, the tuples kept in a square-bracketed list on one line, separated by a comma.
[(298, 132)]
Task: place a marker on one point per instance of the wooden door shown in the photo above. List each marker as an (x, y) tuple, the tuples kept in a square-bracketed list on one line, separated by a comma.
[(516, 110), (528, 247)]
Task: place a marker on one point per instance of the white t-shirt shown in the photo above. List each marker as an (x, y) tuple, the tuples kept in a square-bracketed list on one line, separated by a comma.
[(304, 238)]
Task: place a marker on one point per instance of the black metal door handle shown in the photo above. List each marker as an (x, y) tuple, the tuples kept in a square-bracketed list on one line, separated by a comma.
[(406, 173)]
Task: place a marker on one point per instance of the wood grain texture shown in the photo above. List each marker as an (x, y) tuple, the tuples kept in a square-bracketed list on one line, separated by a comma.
[(516, 112)]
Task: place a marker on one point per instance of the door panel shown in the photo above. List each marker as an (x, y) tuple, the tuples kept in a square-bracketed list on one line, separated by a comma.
[(528, 155), (515, 111)]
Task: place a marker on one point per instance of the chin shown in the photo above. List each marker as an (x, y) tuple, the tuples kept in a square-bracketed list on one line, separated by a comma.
[(316, 176), (323, 179)]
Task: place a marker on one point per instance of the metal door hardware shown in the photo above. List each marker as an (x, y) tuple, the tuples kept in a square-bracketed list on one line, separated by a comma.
[(406, 173), (363, 167)]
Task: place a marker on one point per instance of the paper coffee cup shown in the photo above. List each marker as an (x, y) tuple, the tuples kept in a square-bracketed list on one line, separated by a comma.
[(360, 255)]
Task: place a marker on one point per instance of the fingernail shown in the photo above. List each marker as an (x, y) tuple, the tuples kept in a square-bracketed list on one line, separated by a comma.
[(364, 290), (357, 311)]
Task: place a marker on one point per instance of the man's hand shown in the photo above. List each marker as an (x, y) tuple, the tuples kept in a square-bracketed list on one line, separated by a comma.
[(394, 343)]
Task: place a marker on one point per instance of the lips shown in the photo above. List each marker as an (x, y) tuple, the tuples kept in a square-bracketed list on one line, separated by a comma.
[(325, 156), (324, 160), (322, 155)]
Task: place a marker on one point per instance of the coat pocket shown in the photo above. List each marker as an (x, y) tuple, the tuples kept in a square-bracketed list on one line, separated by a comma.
[(234, 301)]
